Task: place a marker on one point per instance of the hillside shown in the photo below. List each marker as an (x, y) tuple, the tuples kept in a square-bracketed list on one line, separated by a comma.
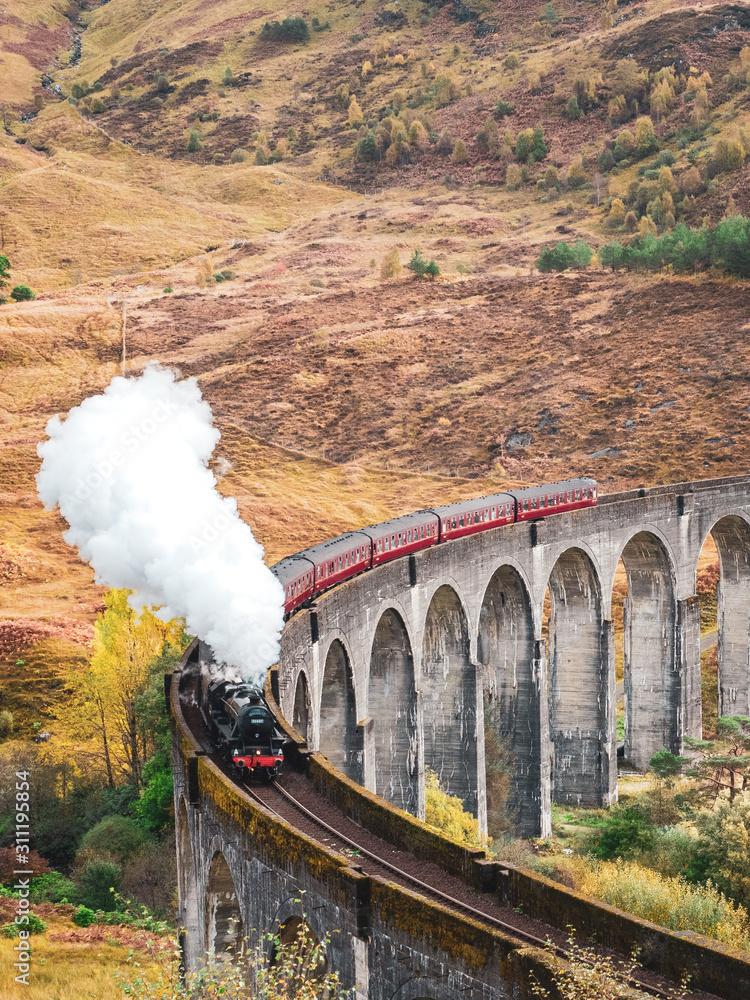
[(150, 146)]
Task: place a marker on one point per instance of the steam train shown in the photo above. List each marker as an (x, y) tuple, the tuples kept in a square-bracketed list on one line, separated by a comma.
[(310, 572), (244, 727)]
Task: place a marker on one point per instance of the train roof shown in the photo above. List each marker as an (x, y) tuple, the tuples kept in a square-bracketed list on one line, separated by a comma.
[(399, 524), (547, 488), (334, 547), (292, 567), (477, 503)]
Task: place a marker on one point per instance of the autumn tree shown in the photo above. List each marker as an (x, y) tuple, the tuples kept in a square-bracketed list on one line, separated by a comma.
[(723, 764), (616, 215), (355, 116), (645, 140), (459, 154), (391, 265), (445, 812), (126, 647)]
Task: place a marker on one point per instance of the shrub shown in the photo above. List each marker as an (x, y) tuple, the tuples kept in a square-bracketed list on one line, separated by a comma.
[(99, 882), (36, 863), (580, 255), (668, 901), (98, 106), (84, 917), (421, 267), (367, 148), (168, 288), (391, 265), (624, 834), (459, 154), (727, 155), (513, 177), (34, 926), (291, 29), (576, 174), (194, 141), (611, 255), (645, 140), (238, 156), (445, 143), (6, 722), (355, 116), (22, 293), (573, 110), (616, 215), (53, 888), (503, 109), (113, 837), (550, 14), (511, 61), (563, 256), (624, 144), (219, 276), (446, 813), (150, 876)]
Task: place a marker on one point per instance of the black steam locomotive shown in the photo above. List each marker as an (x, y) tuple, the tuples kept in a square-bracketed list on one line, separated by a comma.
[(244, 727)]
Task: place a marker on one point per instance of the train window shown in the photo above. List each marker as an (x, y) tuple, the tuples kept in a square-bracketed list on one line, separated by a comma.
[(526, 505), (393, 541), (577, 495), (421, 531), (454, 524), (460, 520)]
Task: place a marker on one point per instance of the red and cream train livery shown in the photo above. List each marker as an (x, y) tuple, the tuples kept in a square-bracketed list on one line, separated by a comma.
[(314, 570)]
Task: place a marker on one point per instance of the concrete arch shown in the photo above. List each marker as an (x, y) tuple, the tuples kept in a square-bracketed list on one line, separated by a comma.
[(340, 736), (301, 715), (224, 928), (653, 685), (515, 705), (186, 873), (392, 750), (553, 557), (581, 685), (448, 687), (731, 534)]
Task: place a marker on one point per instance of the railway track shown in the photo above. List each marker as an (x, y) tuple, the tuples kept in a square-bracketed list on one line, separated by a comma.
[(279, 801), (269, 796)]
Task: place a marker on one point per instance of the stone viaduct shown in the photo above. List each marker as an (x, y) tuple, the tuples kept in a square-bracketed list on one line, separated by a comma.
[(395, 670), (436, 661)]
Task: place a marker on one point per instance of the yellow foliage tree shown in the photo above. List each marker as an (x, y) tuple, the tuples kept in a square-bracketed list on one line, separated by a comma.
[(125, 648), (418, 135), (391, 265), (459, 152), (616, 215), (355, 116), (446, 813)]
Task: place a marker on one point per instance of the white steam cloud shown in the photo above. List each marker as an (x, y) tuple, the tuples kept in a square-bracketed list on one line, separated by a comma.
[(129, 471)]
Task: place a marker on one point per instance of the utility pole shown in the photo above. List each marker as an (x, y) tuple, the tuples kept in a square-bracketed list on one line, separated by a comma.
[(124, 323)]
